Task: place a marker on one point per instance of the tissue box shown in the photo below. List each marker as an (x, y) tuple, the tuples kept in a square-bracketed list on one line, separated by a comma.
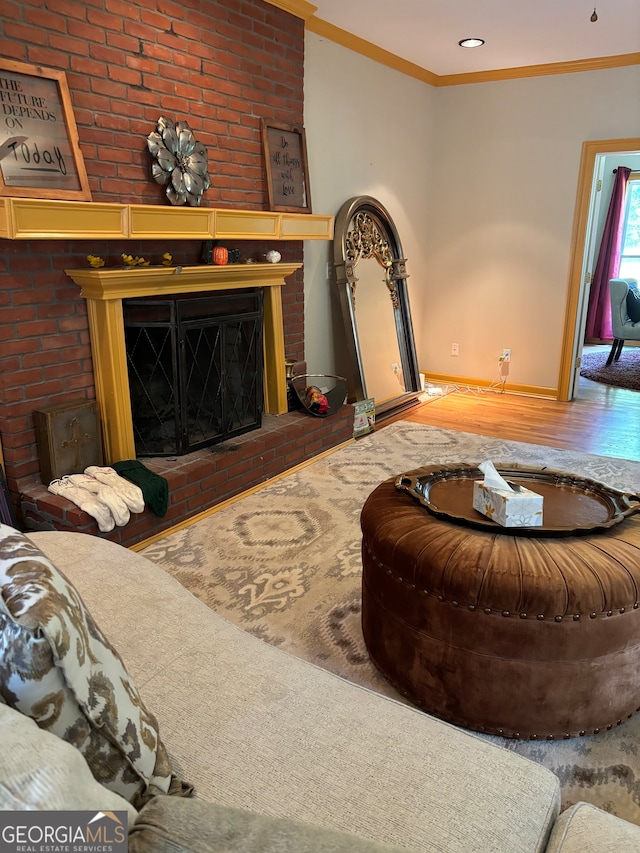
[(510, 509)]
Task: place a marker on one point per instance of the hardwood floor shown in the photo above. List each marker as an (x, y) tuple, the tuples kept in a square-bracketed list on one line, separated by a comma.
[(602, 419)]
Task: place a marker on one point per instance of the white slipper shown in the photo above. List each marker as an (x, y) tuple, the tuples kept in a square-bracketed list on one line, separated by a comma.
[(86, 501), (128, 491), (119, 509)]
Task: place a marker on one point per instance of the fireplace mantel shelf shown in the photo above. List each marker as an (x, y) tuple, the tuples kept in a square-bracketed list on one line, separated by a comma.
[(123, 283), (40, 219)]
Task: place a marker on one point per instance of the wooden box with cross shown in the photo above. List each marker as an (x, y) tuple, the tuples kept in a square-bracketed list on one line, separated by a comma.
[(69, 439)]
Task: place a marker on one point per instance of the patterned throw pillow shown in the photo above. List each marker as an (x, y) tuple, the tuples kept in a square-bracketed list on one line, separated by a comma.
[(42, 772), (58, 668)]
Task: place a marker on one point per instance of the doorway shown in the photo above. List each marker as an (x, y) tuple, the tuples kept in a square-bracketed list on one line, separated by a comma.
[(584, 250)]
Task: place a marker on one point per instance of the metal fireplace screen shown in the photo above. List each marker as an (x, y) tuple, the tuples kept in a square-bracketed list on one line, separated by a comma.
[(195, 370)]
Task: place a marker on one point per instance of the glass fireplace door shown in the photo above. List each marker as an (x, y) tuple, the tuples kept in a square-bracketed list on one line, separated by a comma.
[(195, 370)]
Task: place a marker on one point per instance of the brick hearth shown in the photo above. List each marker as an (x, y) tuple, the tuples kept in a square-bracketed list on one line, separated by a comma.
[(203, 479)]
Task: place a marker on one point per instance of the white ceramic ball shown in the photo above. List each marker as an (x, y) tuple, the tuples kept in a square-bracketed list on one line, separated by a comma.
[(273, 257)]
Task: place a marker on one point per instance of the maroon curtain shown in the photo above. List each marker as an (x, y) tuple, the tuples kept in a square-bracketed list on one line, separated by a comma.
[(599, 310)]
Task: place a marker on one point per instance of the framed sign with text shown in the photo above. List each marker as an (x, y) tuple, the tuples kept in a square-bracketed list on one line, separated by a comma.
[(285, 157), (39, 152)]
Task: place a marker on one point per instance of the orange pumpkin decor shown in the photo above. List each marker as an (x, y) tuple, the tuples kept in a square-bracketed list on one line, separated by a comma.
[(220, 255)]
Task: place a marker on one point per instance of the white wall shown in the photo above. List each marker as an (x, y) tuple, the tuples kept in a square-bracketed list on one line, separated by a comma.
[(507, 158), (481, 181), (369, 132)]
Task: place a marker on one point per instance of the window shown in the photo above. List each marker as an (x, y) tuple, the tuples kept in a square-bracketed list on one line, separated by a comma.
[(630, 244)]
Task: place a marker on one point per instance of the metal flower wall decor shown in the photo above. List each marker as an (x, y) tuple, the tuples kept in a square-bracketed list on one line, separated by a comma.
[(180, 162)]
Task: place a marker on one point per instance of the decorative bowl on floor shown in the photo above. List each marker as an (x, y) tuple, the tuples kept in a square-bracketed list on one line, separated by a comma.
[(320, 395)]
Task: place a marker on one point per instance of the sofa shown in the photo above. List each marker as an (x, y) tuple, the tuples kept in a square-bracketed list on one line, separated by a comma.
[(267, 752)]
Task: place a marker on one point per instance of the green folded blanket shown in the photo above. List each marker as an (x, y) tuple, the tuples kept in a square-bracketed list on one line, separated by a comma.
[(155, 489)]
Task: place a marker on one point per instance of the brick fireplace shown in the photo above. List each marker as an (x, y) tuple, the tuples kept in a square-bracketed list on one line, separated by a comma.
[(222, 66), (105, 290), (203, 479)]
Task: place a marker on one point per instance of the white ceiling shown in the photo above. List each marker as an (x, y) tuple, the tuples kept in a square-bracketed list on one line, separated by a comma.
[(516, 32)]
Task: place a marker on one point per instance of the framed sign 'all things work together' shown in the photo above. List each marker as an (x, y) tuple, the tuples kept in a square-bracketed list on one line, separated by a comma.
[(285, 157), (39, 152)]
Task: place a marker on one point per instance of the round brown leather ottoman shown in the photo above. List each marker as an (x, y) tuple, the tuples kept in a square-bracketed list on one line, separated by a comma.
[(522, 637)]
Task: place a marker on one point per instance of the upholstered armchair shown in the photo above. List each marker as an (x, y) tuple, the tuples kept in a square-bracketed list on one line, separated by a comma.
[(625, 314)]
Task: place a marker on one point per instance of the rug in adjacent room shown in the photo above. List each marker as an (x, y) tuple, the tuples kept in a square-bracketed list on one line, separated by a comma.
[(284, 564), (624, 373)]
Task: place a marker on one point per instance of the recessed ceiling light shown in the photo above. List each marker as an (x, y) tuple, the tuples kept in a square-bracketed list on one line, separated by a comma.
[(471, 42)]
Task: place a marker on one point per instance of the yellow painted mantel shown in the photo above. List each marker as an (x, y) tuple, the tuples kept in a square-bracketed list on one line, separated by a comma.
[(104, 290), (50, 219)]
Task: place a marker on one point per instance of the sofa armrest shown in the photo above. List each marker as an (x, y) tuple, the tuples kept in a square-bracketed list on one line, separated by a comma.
[(583, 828)]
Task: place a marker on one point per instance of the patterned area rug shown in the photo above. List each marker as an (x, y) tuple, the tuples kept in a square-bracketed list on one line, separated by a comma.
[(624, 373), (284, 564)]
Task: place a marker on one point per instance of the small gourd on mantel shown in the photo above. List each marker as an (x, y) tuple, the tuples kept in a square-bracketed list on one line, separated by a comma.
[(220, 255)]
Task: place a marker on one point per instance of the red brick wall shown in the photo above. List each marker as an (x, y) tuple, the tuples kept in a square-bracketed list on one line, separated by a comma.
[(220, 65)]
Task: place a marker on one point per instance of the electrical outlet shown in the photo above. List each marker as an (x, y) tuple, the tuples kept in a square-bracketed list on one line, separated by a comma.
[(506, 355), (455, 350)]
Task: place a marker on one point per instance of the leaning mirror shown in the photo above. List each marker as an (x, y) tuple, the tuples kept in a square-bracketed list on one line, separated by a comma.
[(371, 274)]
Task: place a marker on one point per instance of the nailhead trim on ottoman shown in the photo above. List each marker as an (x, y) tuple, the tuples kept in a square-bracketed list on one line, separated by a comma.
[(522, 637)]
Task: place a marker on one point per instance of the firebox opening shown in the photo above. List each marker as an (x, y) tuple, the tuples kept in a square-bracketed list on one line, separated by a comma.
[(195, 366)]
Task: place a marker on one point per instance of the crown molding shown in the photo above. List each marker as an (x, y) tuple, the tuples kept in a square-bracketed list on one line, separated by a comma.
[(299, 8), (597, 63), (371, 51)]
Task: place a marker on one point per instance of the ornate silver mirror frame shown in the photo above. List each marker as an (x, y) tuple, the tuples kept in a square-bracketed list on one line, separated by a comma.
[(364, 230)]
